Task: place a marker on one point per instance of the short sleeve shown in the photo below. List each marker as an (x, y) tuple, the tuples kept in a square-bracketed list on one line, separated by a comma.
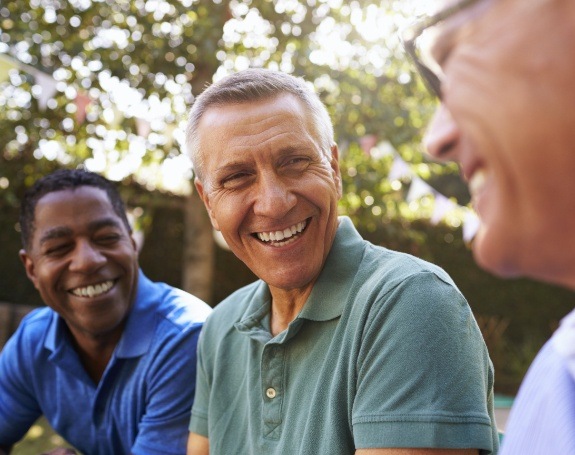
[(163, 429), (19, 408), (199, 417), (424, 374)]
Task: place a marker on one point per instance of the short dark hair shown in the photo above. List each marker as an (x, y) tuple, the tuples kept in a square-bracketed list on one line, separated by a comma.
[(65, 179)]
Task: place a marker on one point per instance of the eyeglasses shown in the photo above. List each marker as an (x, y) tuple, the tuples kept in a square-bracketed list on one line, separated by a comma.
[(431, 77)]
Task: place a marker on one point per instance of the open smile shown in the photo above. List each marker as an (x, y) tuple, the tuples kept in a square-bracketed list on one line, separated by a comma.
[(93, 290), (477, 181), (284, 237)]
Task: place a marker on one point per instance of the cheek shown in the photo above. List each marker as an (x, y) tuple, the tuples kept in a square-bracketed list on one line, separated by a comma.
[(227, 212), (46, 275)]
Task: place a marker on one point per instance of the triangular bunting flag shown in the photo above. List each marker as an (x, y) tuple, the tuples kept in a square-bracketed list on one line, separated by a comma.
[(471, 225), (399, 169), (48, 86), (442, 206), (382, 149), (418, 189)]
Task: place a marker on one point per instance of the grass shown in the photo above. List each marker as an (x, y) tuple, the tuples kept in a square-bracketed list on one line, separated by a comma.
[(39, 439)]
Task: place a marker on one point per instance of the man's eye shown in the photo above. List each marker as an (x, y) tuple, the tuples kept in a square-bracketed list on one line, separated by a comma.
[(235, 180), (57, 250), (108, 239), (297, 163)]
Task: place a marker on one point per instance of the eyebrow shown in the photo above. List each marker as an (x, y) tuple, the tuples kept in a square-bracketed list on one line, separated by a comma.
[(230, 167), (63, 231)]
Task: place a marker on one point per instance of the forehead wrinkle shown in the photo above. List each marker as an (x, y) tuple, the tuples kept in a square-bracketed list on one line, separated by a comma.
[(267, 126)]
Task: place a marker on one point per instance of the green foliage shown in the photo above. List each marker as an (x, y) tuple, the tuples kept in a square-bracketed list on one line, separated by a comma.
[(147, 59)]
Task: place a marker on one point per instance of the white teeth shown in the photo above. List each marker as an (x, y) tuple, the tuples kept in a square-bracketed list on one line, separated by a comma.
[(477, 181), (93, 290), (264, 237), (286, 234)]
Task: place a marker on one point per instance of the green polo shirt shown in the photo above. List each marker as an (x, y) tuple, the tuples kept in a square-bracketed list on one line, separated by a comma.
[(385, 353)]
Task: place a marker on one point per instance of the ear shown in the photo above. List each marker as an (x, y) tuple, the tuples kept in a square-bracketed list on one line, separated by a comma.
[(334, 162), (28, 266), (204, 196), (136, 242)]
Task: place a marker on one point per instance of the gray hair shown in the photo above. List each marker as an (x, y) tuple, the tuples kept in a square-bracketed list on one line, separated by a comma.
[(254, 85)]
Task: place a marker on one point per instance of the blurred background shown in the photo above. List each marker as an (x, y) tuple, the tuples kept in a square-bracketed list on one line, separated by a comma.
[(106, 85)]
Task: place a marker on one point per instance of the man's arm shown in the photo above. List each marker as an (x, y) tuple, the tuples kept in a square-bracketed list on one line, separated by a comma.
[(413, 452), (441, 393), (198, 445)]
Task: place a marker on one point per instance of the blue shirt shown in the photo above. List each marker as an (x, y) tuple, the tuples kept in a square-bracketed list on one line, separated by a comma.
[(542, 420), (141, 404)]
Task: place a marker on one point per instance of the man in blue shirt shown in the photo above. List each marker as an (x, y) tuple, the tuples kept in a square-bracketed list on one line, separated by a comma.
[(504, 73), (111, 361)]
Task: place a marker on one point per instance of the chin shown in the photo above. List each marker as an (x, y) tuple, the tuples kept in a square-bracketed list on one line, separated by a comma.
[(495, 257)]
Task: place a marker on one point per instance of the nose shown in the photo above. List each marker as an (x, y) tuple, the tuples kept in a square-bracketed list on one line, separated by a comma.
[(442, 135), (87, 258), (274, 197)]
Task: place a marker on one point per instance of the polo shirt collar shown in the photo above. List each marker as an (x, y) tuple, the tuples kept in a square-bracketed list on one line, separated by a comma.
[(55, 334), (141, 323), (329, 294), (251, 322)]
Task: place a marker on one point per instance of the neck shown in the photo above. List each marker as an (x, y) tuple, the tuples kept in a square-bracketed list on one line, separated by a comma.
[(286, 305), (95, 352), (95, 362)]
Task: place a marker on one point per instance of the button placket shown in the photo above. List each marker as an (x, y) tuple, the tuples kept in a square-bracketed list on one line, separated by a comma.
[(272, 389)]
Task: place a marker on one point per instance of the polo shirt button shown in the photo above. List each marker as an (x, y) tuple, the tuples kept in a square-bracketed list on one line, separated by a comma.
[(271, 392)]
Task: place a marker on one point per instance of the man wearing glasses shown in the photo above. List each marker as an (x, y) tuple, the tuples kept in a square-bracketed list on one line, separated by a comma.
[(504, 71)]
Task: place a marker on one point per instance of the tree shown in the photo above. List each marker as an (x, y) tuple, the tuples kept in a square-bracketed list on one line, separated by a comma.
[(107, 85)]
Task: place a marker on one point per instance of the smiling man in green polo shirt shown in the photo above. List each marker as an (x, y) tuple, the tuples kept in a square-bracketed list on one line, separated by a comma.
[(341, 347)]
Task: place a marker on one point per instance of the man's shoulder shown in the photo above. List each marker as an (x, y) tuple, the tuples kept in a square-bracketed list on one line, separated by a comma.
[(179, 307), (391, 266), (33, 328), (37, 320), (390, 282)]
